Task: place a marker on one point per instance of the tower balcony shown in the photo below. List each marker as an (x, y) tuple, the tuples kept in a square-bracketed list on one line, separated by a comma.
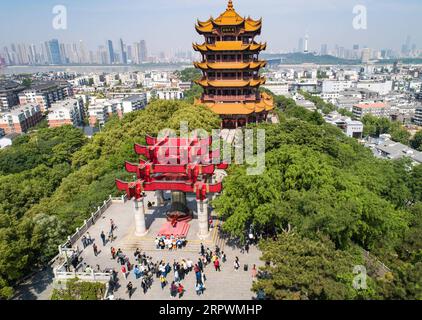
[(229, 98)]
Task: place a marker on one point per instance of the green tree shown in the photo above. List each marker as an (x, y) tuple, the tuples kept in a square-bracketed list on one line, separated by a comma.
[(301, 269), (416, 141)]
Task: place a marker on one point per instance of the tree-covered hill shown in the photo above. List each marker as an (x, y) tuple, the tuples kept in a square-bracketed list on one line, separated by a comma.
[(55, 179), (322, 184)]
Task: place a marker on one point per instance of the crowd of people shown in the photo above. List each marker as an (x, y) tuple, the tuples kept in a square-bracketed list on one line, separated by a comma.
[(170, 242), (171, 275)]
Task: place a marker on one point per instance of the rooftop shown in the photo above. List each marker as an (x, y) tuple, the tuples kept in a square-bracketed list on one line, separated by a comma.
[(396, 150)]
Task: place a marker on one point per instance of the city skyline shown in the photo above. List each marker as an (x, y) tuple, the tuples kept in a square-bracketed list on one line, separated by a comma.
[(325, 21)]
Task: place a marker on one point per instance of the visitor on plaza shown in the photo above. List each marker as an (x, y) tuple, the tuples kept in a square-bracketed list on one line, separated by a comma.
[(130, 289), (95, 249), (113, 253), (236, 264), (217, 250), (110, 236), (112, 225), (88, 238), (199, 288), (180, 290), (163, 281), (200, 264), (198, 276), (124, 271), (223, 257), (136, 272), (137, 254), (217, 265), (84, 241), (103, 237), (176, 276), (254, 272), (173, 289), (247, 247), (202, 250)]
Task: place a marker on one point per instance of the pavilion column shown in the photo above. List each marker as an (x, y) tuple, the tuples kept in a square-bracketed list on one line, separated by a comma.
[(203, 218), (160, 197), (139, 211)]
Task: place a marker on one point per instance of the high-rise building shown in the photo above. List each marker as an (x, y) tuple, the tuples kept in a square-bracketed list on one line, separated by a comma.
[(300, 46), (143, 53), (129, 53), (54, 48), (230, 65), (123, 53), (306, 48), (324, 49), (366, 55), (83, 57), (110, 51)]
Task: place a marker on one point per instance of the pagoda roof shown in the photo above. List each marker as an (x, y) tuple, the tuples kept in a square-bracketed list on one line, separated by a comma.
[(266, 104), (231, 83), (229, 46), (229, 18), (230, 65)]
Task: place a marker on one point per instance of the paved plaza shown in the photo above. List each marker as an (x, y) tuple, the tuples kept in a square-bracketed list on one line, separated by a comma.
[(227, 284)]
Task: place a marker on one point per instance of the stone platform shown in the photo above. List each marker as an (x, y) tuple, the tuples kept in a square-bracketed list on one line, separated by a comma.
[(224, 285)]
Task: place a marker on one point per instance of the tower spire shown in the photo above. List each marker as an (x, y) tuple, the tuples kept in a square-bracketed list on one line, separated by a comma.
[(230, 5)]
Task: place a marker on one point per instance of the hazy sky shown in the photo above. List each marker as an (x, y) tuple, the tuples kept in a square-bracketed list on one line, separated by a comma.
[(169, 24)]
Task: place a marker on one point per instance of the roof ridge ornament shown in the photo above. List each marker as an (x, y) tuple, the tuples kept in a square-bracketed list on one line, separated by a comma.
[(230, 5)]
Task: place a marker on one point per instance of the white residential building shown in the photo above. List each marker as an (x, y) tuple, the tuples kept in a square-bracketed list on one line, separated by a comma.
[(330, 86), (66, 112), (381, 87), (133, 103)]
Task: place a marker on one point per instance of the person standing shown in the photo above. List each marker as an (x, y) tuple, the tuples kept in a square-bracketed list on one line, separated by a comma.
[(254, 272), (180, 290), (129, 288), (84, 241), (236, 264), (124, 271), (198, 288), (198, 277), (223, 257), (103, 237), (88, 238), (144, 285), (163, 282), (173, 289), (113, 253), (217, 265), (202, 250), (200, 265), (95, 249)]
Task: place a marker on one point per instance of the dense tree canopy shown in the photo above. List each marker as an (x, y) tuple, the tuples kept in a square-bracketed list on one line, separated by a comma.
[(325, 185), (306, 269), (374, 126)]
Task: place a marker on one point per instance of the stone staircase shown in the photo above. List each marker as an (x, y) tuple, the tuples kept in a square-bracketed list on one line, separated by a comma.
[(147, 244)]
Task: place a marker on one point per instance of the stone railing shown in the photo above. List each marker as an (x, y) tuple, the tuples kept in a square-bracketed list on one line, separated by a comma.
[(71, 240)]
